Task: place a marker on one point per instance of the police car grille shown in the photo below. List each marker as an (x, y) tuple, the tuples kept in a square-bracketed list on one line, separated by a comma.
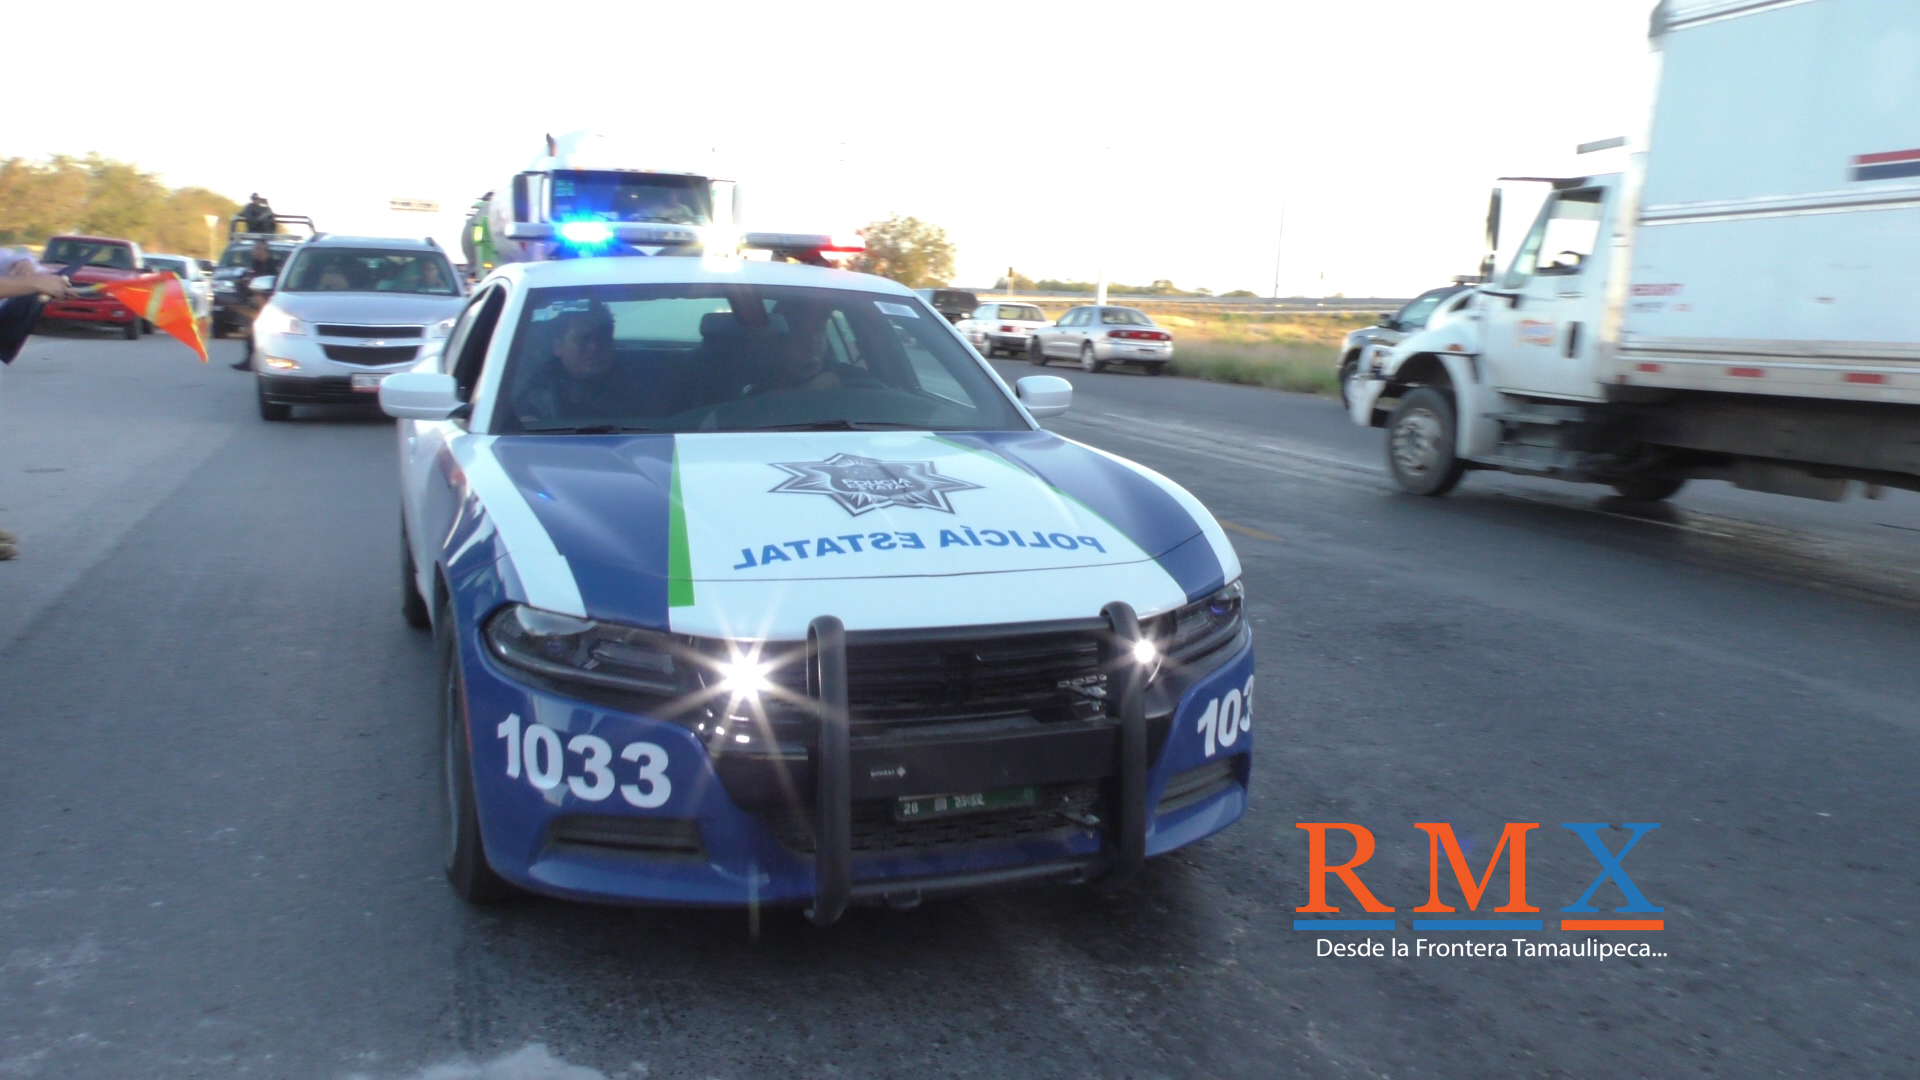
[(1046, 675), (875, 833), (371, 354)]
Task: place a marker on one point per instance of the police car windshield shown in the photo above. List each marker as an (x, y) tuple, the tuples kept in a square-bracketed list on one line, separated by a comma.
[(712, 357), (332, 269), (617, 196)]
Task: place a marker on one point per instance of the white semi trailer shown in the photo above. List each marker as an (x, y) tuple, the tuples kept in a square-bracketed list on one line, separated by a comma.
[(1741, 303)]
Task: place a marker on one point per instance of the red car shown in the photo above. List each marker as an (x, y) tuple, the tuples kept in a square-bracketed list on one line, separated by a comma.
[(98, 258)]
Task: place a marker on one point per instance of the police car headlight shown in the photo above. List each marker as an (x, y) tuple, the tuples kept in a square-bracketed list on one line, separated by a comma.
[(1204, 625), (606, 655)]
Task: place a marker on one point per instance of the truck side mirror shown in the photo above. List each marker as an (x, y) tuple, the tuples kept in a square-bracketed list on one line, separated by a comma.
[(1387, 321), (262, 284)]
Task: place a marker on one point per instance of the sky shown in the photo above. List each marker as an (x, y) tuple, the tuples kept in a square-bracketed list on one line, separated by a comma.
[(1156, 141)]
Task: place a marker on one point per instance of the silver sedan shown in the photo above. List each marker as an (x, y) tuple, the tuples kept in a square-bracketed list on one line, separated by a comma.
[(1098, 336)]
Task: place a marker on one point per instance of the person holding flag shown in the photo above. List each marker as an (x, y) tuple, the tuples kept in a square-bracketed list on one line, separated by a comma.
[(23, 289)]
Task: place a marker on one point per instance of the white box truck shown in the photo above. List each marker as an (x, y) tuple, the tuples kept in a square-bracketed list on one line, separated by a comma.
[(1741, 303)]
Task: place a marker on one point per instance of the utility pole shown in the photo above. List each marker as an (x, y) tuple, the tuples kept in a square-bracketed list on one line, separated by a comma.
[(1100, 290), (1009, 281), (1279, 244), (213, 236)]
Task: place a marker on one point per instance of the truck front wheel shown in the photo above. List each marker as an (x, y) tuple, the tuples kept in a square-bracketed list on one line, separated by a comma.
[(1648, 488), (1421, 443)]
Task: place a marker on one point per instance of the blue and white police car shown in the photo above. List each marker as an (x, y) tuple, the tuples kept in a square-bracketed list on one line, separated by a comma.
[(753, 584)]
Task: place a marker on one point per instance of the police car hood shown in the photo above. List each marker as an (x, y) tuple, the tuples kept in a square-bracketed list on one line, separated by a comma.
[(369, 308), (754, 535)]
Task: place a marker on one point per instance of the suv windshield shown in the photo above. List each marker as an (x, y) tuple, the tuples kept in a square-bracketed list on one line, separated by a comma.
[(333, 269), (711, 357), (88, 253), (1121, 316), (619, 196)]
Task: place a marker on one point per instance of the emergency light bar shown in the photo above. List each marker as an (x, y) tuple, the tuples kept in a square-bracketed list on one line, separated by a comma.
[(803, 247), (595, 233)]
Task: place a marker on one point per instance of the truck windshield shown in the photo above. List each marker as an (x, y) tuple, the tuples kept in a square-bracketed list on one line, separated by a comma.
[(68, 252), (734, 357), (370, 270), (620, 196)]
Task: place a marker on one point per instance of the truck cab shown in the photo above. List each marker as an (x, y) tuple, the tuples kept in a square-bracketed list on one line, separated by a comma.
[(583, 198)]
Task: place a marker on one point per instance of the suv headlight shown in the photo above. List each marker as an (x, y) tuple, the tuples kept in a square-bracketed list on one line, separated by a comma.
[(1202, 626), (275, 321)]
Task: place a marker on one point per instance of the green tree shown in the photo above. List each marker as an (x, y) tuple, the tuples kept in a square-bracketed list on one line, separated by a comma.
[(914, 253), (104, 197)]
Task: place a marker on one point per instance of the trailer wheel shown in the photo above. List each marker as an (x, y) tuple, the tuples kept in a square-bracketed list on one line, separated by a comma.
[(1421, 441), (1648, 488)]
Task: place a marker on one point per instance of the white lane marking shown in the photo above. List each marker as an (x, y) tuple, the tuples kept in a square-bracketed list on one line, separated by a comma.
[(544, 573)]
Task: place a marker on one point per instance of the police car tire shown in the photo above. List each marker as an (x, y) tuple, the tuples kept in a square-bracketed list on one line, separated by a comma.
[(1088, 362), (1035, 353), (1425, 414), (412, 607), (463, 855)]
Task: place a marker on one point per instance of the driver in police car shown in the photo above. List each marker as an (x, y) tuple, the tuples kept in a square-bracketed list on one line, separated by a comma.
[(580, 378)]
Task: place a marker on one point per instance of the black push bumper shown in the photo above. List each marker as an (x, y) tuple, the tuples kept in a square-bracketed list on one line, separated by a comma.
[(840, 769)]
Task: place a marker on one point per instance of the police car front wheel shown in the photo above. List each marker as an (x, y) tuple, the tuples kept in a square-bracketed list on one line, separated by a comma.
[(464, 857)]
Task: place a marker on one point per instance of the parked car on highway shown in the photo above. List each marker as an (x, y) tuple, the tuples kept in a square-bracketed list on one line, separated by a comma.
[(197, 282), (1001, 326), (752, 584), (1098, 336), (345, 312), (93, 260), (955, 304), (1395, 327)]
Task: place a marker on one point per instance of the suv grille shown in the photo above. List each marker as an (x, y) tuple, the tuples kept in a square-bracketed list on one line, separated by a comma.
[(1051, 675), (371, 354), (875, 833), (347, 330)]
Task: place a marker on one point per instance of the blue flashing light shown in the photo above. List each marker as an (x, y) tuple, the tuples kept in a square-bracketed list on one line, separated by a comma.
[(588, 234)]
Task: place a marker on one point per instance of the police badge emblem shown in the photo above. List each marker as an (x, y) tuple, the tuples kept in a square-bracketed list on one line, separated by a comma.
[(860, 484)]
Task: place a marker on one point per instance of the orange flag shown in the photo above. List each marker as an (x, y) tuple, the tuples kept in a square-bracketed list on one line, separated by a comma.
[(162, 301)]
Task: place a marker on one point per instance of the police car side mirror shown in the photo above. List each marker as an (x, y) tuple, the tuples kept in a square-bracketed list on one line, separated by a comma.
[(1044, 395), (420, 395)]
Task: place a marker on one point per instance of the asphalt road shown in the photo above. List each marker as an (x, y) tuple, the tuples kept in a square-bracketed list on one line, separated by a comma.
[(218, 845)]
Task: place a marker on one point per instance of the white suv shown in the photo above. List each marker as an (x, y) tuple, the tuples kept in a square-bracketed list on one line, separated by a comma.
[(996, 327), (346, 312)]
